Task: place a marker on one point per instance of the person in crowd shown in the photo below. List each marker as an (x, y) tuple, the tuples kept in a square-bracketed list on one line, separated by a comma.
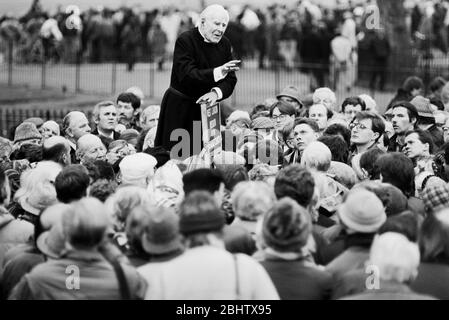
[(105, 119), (74, 126), (192, 275), (57, 149), (137, 169), (412, 87), (326, 97), (426, 119), (71, 183), (436, 88), (298, 136), (50, 128), (89, 147), (282, 113), (26, 133), (321, 114), (12, 231), (149, 117), (36, 192), (432, 276), (397, 169), (128, 110), (396, 259), (351, 106), (404, 117), (367, 128), (361, 215), (290, 94), (419, 148), (85, 225), (286, 231)]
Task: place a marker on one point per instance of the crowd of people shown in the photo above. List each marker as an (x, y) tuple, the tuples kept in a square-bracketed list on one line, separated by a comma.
[(306, 200), (322, 41)]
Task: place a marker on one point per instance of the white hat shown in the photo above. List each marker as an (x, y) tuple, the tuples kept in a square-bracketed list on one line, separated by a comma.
[(137, 166)]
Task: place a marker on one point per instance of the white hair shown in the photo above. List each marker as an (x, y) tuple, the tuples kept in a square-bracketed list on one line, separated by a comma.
[(324, 92), (213, 10), (317, 156), (395, 257), (252, 199)]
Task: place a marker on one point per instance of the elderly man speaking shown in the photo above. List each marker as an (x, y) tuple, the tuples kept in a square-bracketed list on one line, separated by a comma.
[(203, 72)]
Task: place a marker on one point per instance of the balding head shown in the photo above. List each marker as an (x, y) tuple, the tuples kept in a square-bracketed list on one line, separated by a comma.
[(56, 149), (90, 148), (75, 125)]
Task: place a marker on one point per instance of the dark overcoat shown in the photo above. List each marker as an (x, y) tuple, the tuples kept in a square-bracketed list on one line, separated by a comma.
[(192, 76)]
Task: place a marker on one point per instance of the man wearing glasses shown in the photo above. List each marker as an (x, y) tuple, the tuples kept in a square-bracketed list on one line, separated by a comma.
[(366, 129)]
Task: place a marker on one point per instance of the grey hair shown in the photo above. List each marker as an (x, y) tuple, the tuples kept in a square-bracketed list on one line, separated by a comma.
[(214, 9)]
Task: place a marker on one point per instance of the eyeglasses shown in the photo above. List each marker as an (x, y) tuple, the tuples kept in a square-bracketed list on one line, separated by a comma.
[(445, 129), (358, 125), (280, 117)]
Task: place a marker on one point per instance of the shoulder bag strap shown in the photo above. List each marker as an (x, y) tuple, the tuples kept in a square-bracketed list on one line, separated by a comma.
[(122, 282)]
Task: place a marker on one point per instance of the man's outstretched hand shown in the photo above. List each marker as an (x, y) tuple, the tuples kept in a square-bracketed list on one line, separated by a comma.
[(209, 98), (233, 65)]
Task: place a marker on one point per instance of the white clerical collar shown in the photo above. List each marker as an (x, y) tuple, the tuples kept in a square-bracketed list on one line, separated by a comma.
[(111, 135), (204, 38)]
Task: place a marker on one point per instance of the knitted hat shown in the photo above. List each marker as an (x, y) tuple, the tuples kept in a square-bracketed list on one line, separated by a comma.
[(436, 198), (362, 211), (291, 92), (161, 232), (422, 106), (287, 226), (262, 123), (26, 131)]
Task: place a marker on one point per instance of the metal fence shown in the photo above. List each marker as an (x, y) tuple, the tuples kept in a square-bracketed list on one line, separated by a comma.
[(254, 84)]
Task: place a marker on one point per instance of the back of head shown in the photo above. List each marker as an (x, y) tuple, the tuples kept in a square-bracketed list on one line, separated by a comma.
[(395, 257), (296, 182), (287, 226), (200, 213), (85, 223), (433, 237), (405, 223), (412, 83), (337, 146), (316, 156), (56, 149), (202, 179), (398, 170), (71, 183), (252, 199)]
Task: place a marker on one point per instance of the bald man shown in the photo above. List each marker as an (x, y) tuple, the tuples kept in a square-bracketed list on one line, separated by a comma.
[(74, 126), (203, 72), (90, 148)]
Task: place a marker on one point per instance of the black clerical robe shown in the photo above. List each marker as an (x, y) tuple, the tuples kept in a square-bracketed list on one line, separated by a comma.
[(192, 76)]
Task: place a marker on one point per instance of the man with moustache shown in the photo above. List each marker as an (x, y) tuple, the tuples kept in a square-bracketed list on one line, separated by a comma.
[(203, 73), (128, 109)]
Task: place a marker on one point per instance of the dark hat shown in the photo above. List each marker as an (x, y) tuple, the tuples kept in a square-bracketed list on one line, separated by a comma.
[(291, 92), (199, 213), (161, 231), (162, 156), (287, 226)]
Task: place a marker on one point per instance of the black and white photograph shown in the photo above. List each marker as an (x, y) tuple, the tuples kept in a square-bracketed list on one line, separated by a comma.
[(210, 151)]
